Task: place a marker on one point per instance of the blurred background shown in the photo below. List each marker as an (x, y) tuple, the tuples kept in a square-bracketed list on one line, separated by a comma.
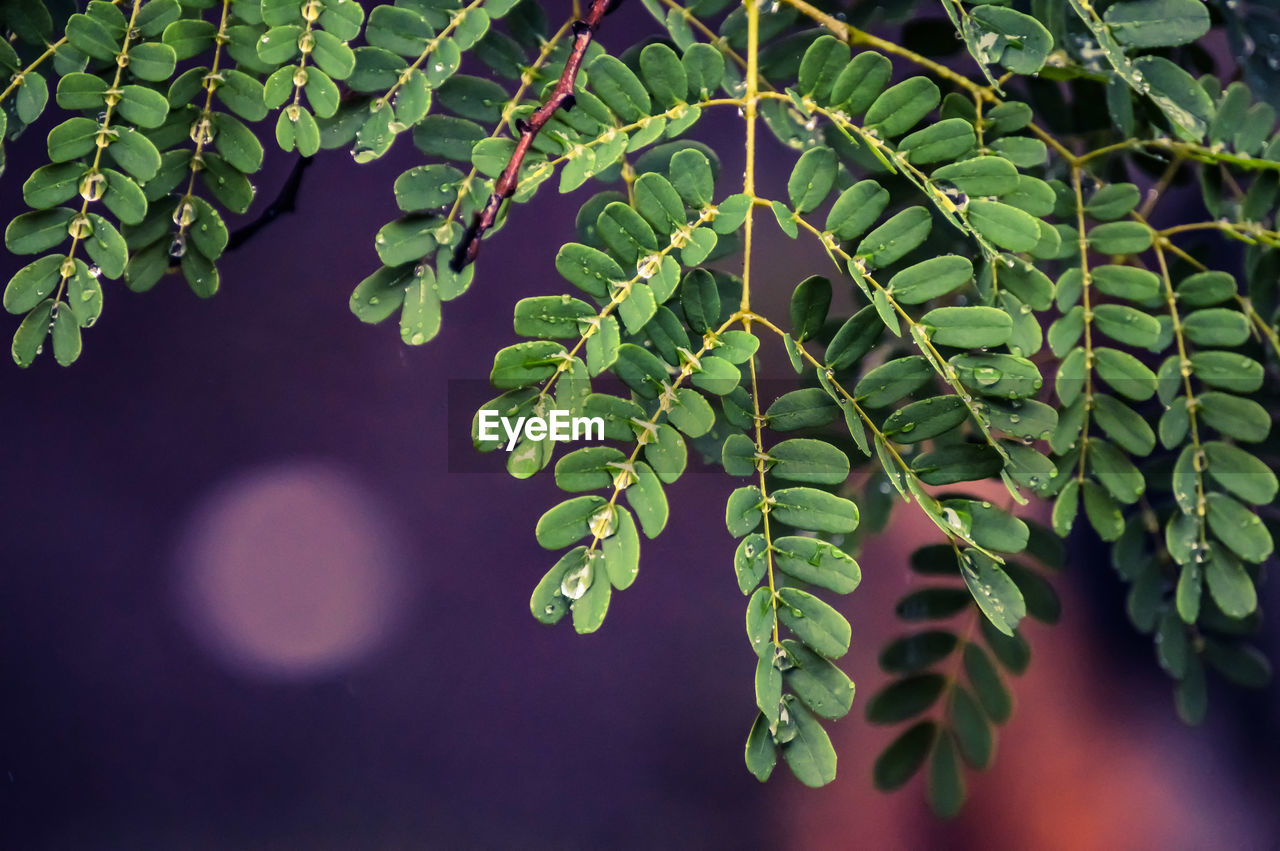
[(245, 604)]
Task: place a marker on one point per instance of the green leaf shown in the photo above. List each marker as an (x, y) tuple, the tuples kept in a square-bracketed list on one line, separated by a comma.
[(897, 237), (905, 755), (814, 622), (1178, 96), (1189, 695), (399, 30), (806, 460), (1128, 375), (821, 65), (35, 232), (925, 419), (625, 232), (32, 284), (768, 683), (902, 106), (750, 561), (1216, 326), (587, 469), (333, 57), (420, 319), (78, 90), (647, 499), (737, 346), (742, 512), (1018, 42), (66, 337), (809, 304), (815, 562), (809, 755), (970, 327), (554, 317), (983, 175), (972, 732), (568, 522), (1229, 583), (856, 209), (84, 295), (1120, 238), (996, 594), (998, 375), (914, 653), (905, 698), (1157, 23), (933, 603), (525, 363), (90, 37), (152, 61), (664, 75), (805, 408), (589, 269), (1239, 663), (946, 781), (1115, 472), (961, 462), (189, 37), (1113, 201), (1239, 528), (811, 179), (987, 685), (1126, 282), (761, 754), (242, 94), (819, 511), (892, 381), (590, 607), (1102, 511), (1206, 288), (1233, 416), (31, 333), (1006, 226), (861, 82), (72, 139), (1126, 324), (107, 247), (619, 88), (931, 278), (1022, 151), (856, 337), (704, 67), (135, 154), (946, 140), (1240, 473), (822, 686), (1124, 425), (380, 295), (731, 213)]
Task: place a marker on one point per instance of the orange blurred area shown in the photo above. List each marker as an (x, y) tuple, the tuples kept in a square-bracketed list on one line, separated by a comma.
[(1088, 760)]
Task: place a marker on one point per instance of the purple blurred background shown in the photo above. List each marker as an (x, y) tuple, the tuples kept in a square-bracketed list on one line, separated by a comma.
[(244, 605)]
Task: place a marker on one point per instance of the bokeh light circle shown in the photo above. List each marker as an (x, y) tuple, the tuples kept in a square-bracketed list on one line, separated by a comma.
[(290, 572)]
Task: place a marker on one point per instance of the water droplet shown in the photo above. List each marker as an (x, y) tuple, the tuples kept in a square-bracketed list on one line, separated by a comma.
[(987, 375), (576, 582)]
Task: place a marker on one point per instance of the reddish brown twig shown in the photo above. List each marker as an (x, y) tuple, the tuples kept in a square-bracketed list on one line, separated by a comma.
[(562, 95)]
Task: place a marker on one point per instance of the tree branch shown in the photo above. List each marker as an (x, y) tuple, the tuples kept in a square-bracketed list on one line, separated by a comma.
[(285, 202), (562, 95)]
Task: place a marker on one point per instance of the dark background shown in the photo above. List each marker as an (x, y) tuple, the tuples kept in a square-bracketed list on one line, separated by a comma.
[(245, 605)]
